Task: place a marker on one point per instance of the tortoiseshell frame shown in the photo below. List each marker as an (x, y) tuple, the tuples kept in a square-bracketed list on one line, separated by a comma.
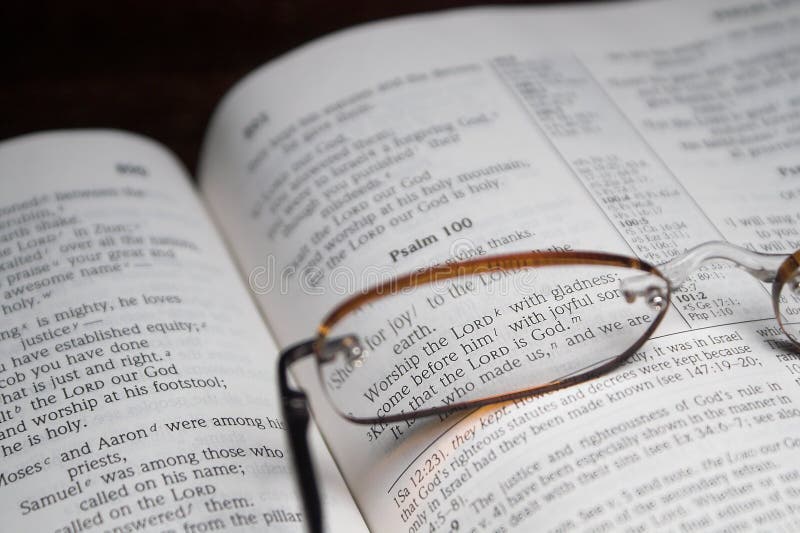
[(479, 266), (295, 404)]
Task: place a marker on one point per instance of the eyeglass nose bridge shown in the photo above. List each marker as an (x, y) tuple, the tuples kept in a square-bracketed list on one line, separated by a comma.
[(763, 267)]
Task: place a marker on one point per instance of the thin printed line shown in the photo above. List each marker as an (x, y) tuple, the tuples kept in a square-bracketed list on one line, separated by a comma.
[(434, 441), (520, 100), (647, 145), (655, 156), (709, 327)]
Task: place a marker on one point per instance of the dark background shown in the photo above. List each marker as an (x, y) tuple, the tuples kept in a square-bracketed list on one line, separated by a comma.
[(156, 68)]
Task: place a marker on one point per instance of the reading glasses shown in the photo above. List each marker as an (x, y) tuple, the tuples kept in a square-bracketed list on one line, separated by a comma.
[(471, 333)]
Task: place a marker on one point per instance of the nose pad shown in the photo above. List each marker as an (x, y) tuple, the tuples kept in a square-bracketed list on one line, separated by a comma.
[(347, 347), (656, 298), (794, 284), (648, 286)]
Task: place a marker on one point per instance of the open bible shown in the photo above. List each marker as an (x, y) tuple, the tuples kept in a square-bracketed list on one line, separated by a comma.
[(142, 319)]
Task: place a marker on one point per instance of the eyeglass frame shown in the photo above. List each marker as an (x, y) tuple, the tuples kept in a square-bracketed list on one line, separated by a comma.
[(777, 269)]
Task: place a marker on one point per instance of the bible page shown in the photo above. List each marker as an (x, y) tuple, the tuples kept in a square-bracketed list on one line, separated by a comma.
[(641, 129), (136, 375)]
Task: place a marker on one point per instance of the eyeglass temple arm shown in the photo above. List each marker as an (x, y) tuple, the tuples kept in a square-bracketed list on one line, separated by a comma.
[(296, 415), (761, 266)]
